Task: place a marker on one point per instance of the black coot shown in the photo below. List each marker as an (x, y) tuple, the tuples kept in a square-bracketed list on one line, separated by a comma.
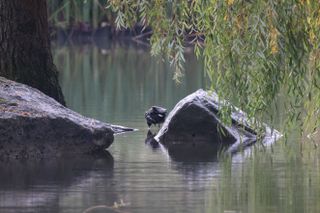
[(155, 115)]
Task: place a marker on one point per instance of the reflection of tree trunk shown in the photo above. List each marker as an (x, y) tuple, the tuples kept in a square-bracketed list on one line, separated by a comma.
[(25, 54)]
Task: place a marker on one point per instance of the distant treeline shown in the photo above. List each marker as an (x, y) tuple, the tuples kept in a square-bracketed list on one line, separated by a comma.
[(81, 20), (65, 13)]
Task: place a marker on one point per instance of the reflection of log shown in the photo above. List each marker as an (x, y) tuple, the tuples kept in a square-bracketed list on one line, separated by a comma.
[(194, 127), (59, 170), (193, 152), (41, 184), (150, 141)]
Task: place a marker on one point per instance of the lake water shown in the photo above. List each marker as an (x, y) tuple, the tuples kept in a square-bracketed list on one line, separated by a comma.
[(117, 84)]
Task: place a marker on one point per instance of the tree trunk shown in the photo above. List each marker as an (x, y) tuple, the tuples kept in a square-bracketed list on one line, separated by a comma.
[(25, 54)]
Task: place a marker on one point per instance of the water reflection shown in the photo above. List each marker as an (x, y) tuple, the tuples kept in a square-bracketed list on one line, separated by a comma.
[(118, 85), (151, 142), (204, 152), (47, 185), (194, 172)]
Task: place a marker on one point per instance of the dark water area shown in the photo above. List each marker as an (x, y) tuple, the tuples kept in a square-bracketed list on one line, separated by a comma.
[(117, 84)]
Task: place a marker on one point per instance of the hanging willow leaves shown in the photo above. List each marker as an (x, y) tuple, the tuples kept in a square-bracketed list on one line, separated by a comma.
[(256, 53)]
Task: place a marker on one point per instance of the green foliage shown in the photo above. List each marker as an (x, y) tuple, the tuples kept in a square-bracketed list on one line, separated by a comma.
[(256, 53)]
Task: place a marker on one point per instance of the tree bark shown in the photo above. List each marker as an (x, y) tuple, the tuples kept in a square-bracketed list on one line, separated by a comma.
[(25, 54)]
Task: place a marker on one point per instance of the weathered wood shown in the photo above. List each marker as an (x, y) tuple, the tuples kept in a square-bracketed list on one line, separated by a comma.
[(193, 129)]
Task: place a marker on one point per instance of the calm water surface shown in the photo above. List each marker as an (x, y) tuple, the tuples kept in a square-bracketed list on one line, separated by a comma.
[(116, 85)]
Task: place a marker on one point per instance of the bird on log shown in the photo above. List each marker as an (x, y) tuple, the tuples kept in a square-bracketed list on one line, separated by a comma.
[(155, 115)]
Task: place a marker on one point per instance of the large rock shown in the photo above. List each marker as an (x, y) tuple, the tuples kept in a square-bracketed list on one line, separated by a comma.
[(193, 128), (35, 125)]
